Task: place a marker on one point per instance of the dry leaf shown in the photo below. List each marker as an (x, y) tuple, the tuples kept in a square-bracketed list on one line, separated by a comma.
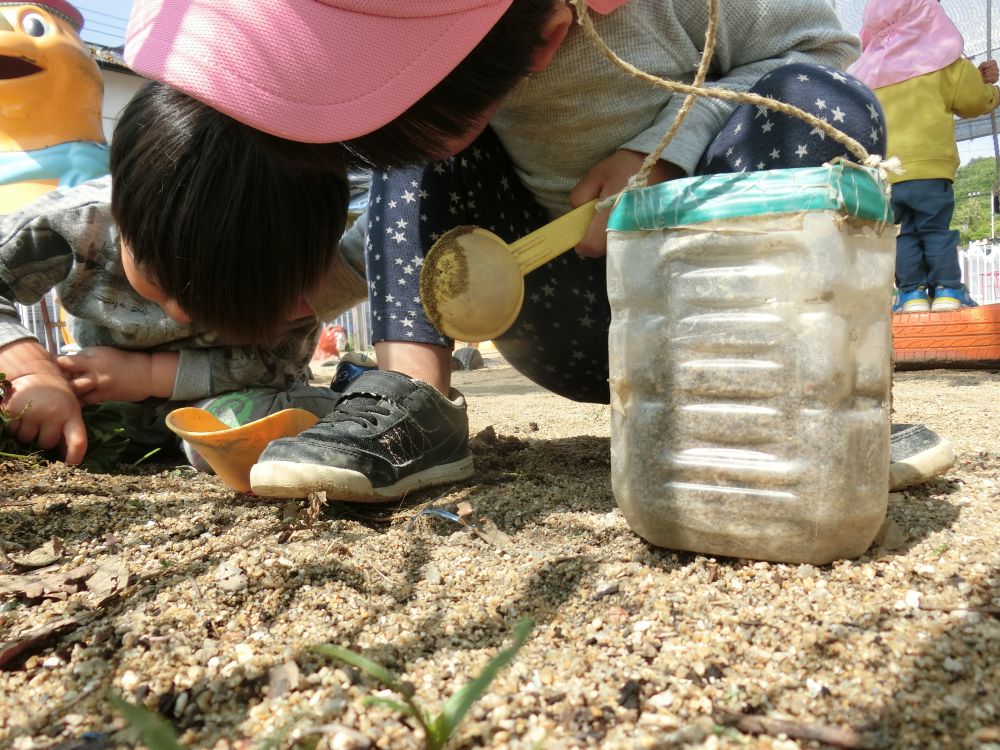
[(314, 511), (11, 651), (487, 531), (110, 580), (47, 554), (46, 583)]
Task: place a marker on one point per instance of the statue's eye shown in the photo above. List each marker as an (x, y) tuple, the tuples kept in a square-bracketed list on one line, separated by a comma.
[(34, 25)]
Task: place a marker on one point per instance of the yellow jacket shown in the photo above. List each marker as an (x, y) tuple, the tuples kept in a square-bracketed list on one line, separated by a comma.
[(920, 118)]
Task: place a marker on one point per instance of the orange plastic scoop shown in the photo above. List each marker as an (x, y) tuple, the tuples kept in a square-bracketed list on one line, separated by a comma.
[(232, 451)]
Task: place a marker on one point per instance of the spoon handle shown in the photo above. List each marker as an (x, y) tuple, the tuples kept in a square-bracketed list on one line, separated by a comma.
[(553, 239)]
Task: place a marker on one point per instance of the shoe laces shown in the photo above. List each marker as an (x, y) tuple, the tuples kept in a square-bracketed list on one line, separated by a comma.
[(359, 408)]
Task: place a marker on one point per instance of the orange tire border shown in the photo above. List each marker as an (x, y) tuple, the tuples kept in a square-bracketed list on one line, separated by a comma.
[(970, 336)]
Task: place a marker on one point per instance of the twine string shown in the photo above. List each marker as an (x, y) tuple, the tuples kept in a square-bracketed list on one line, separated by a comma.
[(641, 178), (696, 89)]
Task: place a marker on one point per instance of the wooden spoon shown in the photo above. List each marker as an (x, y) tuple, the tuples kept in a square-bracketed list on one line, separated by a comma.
[(472, 282)]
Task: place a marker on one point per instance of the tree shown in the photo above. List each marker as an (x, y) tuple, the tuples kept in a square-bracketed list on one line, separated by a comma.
[(974, 186)]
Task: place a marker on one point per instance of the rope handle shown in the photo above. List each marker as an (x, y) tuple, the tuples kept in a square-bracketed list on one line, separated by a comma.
[(695, 89)]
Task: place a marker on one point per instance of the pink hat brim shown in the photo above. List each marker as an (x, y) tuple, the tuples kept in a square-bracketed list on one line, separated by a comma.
[(308, 70)]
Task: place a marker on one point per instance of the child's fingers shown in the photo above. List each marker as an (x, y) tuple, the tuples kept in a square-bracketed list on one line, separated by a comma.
[(69, 364), (50, 432), (595, 241), (82, 384), (588, 188), (26, 430), (92, 398), (74, 436)]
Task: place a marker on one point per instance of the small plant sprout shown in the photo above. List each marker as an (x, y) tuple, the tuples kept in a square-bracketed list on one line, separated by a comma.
[(154, 731), (437, 729)]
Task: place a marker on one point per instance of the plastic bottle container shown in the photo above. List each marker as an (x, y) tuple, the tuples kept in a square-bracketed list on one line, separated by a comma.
[(750, 352)]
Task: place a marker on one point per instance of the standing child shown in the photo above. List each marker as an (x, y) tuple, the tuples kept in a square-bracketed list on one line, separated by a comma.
[(913, 60), (196, 273), (502, 114)]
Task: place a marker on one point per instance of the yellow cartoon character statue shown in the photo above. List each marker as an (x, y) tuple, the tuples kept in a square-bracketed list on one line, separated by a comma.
[(50, 102)]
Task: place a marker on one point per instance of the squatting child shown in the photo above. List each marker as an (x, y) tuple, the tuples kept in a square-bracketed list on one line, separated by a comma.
[(501, 114), (197, 272)]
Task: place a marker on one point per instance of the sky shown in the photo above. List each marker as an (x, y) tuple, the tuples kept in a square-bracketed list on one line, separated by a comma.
[(977, 148), (105, 21)]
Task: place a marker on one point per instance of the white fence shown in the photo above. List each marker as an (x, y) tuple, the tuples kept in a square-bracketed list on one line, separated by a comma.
[(981, 270), (357, 327), (44, 320)]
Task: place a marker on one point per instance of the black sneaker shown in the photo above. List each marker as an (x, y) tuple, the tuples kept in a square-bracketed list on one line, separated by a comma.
[(917, 454), (387, 435)]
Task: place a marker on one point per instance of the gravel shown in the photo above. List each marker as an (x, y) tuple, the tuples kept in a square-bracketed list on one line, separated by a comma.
[(633, 646)]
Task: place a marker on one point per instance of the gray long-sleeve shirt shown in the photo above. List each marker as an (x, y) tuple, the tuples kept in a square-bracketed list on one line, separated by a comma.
[(67, 241), (560, 122)]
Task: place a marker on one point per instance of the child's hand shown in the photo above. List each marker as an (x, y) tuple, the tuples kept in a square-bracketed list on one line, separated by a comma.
[(606, 178), (44, 411), (104, 373), (40, 404), (989, 71)]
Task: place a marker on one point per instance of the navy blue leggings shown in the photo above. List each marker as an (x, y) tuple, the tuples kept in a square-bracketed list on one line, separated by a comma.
[(560, 339), (927, 246)]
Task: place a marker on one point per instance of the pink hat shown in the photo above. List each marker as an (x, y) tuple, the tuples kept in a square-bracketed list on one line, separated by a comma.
[(903, 39), (60, 7), (309, 70)]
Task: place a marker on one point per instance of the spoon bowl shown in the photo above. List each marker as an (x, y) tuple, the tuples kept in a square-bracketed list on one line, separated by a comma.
[(471, 285), (472, 281)]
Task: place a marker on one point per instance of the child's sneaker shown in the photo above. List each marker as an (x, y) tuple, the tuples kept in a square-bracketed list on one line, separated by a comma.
[(917, 454), (911, 302), (387, 436), (350, 366), (947, 299)]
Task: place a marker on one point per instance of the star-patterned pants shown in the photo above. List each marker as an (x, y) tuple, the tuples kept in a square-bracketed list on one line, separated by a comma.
[(560, 339)]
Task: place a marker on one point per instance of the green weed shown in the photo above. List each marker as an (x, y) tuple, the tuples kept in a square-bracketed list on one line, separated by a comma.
[(108, 436), (155, 732), (437, 729)]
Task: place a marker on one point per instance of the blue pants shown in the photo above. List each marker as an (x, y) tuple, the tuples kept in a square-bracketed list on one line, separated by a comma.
[(927, 247), (560, 339)]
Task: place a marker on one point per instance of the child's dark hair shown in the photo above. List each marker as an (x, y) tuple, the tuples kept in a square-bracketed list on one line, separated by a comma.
[(457, 103), (232, 223)]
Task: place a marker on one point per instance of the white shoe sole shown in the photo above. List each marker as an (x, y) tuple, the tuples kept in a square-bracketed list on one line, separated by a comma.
[(290, 479), (921, 467), (949, 305)]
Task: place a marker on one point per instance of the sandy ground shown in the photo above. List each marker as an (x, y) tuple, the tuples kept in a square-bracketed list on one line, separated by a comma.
[(203, 604)]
